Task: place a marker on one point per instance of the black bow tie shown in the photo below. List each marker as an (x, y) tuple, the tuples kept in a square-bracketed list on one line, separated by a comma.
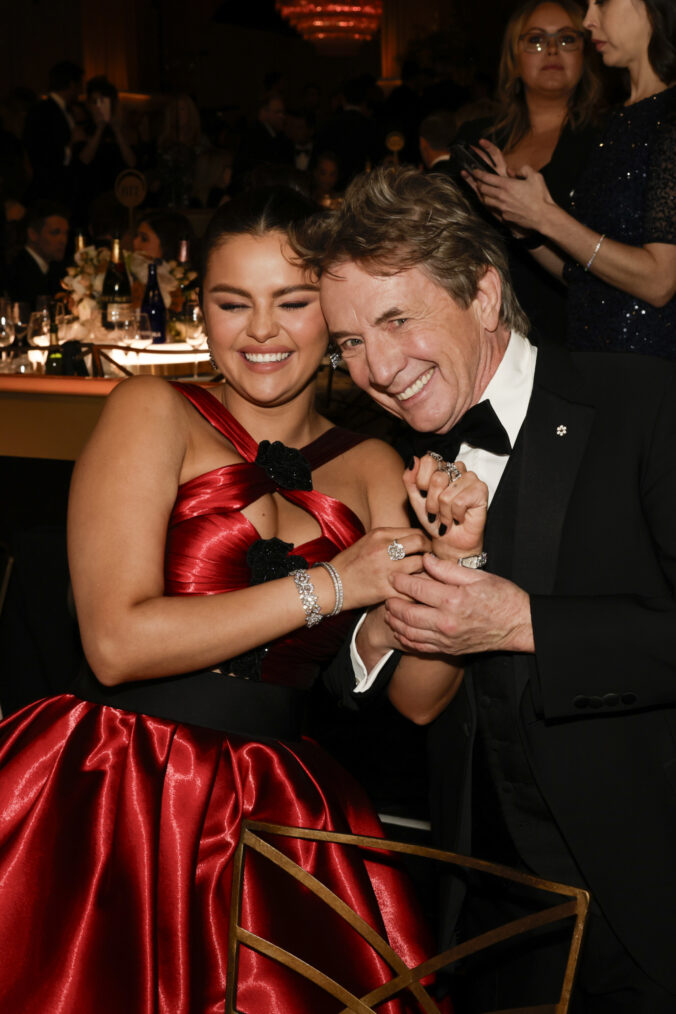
[(478, 427)]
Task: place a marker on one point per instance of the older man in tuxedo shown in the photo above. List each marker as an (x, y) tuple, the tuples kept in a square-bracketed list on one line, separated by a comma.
[(558, 754)]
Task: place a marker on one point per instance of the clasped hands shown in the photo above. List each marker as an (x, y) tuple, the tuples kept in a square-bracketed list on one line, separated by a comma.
[(446, 608)]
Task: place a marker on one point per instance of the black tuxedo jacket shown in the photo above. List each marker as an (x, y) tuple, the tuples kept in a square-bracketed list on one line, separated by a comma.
[(46, 136), (25, 280), (595, 546)]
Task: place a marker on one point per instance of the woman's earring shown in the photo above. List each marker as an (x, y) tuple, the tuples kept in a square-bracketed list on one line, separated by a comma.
[(212, 361), (335, 358)]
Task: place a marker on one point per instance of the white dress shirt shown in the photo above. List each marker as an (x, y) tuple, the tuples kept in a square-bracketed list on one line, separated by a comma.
[(509, 393)]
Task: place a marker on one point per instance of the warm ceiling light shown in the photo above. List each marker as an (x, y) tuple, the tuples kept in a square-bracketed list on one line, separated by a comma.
[(332, 22)]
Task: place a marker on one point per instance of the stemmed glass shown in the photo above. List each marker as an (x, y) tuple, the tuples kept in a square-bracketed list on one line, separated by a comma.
[(38, 336), (193, 331), (136, 331), (6, 334)]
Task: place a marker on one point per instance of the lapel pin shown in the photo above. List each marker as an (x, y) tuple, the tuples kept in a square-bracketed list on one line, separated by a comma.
[(561, 431)]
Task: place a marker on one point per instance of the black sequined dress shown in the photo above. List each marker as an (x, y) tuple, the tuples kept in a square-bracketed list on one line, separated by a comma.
[(628, 192)]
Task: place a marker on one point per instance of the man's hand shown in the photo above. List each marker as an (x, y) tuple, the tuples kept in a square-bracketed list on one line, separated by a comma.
[(458, 611)]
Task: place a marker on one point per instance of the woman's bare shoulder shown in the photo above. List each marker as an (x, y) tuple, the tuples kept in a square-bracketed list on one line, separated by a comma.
[(373, 453)]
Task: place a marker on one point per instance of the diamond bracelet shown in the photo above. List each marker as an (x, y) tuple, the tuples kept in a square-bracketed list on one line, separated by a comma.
[(337, 586), (308, 599)]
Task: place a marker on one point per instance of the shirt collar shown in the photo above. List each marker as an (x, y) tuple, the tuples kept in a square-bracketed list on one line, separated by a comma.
[(439, 158), (40, 261), (511, 385)]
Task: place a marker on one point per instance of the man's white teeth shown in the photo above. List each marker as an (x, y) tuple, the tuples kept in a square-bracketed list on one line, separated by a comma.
[(417, 386), (266, 357)]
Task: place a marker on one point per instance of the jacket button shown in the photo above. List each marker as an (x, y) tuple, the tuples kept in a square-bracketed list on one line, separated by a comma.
[(595, 702), (580, 701), (611, 700), (629, 698)]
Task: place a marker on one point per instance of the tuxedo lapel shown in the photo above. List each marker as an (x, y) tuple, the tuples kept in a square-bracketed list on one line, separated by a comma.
[(552, 443), (554, 438)]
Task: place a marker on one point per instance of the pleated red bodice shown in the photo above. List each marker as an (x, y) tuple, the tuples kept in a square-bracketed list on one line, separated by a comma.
[(209, 538)]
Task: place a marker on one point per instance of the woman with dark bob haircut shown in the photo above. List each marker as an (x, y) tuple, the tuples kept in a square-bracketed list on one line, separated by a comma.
[(548, 97), (615, 245), (159, 234), (220, 541)]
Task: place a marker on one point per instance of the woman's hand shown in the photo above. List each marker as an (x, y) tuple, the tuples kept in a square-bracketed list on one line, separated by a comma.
[(520, 199), (366, 568), (451, 510)]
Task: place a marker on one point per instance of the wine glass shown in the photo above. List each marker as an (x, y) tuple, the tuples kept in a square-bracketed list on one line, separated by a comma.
[(38, 336), (193, 331), (6, 335), (137, 332)]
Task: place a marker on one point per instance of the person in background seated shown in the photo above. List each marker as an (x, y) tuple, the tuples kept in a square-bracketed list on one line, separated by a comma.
[(37, 270), (159, 234), (264, 143), (325, 178), (436, 134)]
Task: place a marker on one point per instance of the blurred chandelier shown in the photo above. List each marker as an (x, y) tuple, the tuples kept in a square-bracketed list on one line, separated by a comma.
[(332, 22)]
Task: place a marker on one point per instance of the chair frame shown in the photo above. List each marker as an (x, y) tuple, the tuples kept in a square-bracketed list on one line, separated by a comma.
[(405, 978)]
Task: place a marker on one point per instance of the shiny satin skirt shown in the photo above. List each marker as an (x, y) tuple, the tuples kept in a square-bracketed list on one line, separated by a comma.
[(117, 834)]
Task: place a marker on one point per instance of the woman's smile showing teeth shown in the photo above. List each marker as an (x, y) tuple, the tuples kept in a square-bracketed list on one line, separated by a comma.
[(265, 357), (416, 386)]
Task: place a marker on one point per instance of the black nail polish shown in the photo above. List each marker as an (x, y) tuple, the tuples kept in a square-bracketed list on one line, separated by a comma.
[(410, 464), (442, 530), (423, 493), (431, 518)]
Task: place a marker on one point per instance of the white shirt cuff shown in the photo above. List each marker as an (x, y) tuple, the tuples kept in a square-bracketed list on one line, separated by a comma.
[(364, 680)]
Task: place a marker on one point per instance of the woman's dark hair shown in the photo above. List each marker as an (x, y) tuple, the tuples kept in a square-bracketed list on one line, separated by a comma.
[(255, 213), (512, 120), (662, 45), (100, 85), (171, 227)]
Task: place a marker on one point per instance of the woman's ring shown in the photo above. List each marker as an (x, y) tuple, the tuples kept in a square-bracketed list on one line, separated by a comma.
[(395, 550), (452, 470), (437, 457)]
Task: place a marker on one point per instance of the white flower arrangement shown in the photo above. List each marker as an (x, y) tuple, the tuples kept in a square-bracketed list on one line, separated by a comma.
[(84, 279)]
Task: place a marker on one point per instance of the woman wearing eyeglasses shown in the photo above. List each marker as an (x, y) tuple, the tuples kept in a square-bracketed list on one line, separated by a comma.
[(616, 245), (548, 93)]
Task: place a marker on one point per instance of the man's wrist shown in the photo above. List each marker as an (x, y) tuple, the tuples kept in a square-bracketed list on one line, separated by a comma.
[(521, 638)]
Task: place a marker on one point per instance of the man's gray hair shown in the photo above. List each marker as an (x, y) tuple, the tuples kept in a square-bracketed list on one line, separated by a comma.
[(394, 219)]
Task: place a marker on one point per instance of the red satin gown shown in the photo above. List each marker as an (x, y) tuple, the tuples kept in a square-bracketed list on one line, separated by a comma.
[(119, 816)]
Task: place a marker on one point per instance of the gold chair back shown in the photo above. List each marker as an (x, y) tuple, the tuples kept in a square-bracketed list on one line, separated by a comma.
[(575, 904)]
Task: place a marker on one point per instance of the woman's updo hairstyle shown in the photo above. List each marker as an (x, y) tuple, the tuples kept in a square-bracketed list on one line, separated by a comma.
[(256, 213)]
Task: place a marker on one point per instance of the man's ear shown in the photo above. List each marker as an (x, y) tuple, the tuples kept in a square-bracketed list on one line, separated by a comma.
[(488, 299), (33, 235)]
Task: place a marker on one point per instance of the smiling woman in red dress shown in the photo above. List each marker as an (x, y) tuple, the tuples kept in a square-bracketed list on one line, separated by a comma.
[(194, 519)]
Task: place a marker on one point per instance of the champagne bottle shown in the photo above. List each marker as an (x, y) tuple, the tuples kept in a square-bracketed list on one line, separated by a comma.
[(185, 284), (54, 361), (153, 305), (116, 293)]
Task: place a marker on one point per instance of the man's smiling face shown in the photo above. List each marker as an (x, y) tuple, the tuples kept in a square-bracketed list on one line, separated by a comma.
[(407, 343)]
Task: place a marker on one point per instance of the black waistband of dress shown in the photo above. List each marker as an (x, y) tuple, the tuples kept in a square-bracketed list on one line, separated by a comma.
[(208, 699)]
